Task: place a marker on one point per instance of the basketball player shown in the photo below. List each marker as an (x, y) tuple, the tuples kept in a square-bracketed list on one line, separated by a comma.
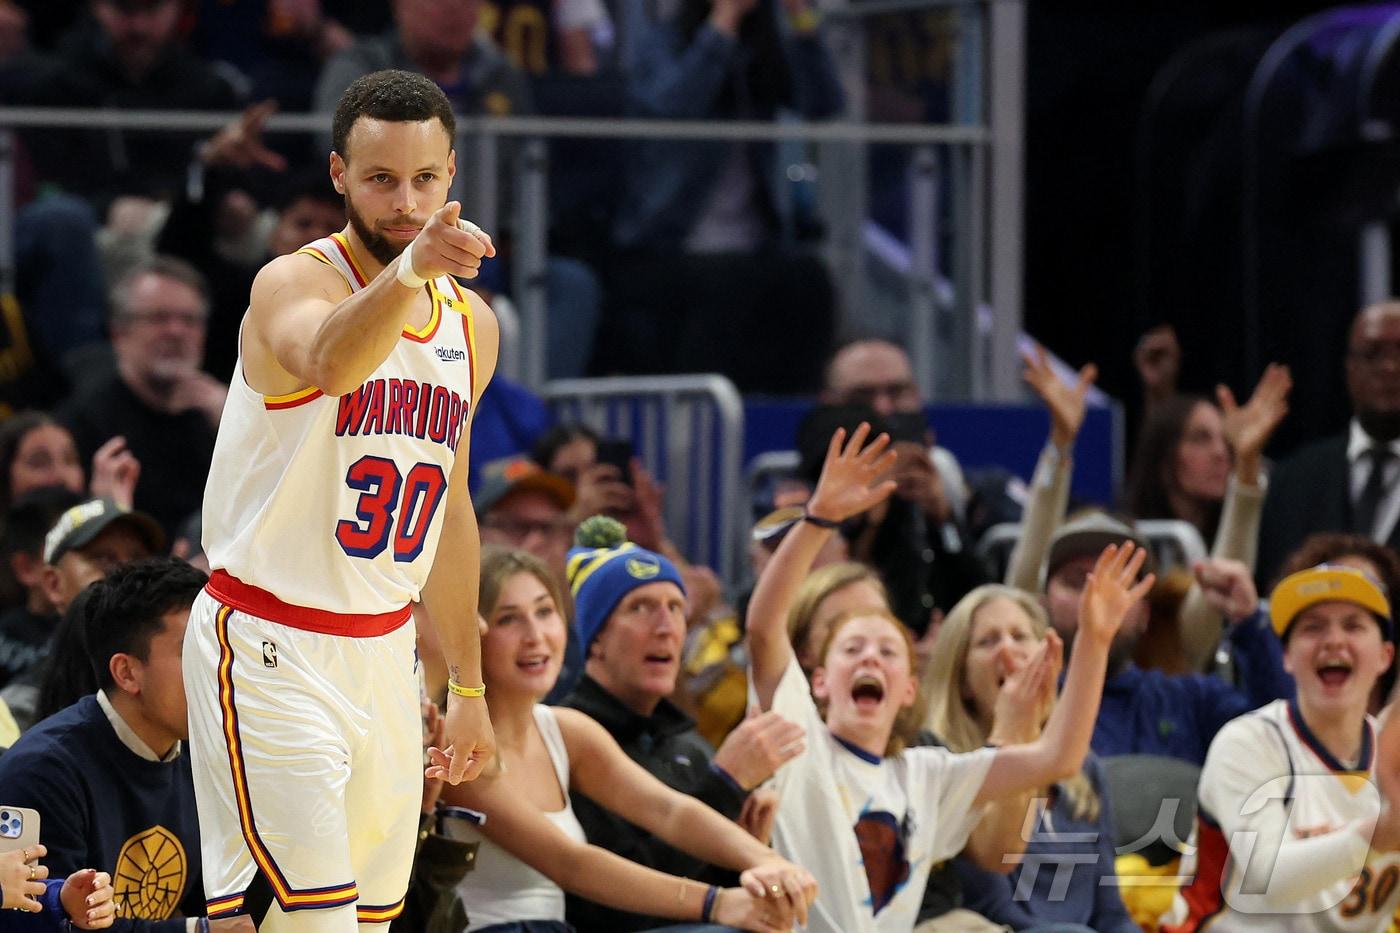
[(1298, 826), (337, 497)]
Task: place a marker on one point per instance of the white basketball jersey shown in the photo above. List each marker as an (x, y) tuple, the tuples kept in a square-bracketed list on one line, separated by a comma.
[(1265, 759), (336, 504)]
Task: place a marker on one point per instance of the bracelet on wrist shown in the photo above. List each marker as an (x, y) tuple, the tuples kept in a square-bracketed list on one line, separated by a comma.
[(461, 691), (820, 522), (708, 908)]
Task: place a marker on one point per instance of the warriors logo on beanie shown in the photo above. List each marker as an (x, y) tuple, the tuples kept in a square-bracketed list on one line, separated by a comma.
[(604, 567)]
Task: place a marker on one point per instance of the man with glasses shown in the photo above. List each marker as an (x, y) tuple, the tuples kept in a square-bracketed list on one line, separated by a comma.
[(1347, 482), (877, 373), (157, 398), (522, 506)]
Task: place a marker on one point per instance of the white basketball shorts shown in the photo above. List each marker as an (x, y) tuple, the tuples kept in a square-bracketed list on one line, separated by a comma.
[(307, 765)]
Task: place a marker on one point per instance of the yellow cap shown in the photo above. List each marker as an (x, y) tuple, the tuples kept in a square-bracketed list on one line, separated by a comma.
[(1326, 583)]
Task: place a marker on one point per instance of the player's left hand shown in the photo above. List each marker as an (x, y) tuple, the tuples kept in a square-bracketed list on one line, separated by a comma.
[(470, 742)]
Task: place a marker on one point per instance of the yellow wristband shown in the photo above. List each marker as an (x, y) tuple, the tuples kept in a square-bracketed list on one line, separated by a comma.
[(454, 687)]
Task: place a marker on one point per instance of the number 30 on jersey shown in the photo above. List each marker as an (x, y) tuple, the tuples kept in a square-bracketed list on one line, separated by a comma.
[(391, 504)]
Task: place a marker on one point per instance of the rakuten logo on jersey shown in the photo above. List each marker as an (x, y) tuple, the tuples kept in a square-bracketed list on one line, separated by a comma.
[(450, 354)]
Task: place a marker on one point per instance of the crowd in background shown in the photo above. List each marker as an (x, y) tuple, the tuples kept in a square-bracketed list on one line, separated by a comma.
[(670, 724)]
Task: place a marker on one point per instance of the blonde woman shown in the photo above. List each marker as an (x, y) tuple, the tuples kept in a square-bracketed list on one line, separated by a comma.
[(532, 846), (994, 641)]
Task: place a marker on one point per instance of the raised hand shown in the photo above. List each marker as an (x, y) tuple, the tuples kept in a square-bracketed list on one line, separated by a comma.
[(1065, 402), (1227, 586), (448, 245), (86, 897), (1249, 427), (240, 143), (1158, 361), (649, 520), (781, 884), (848, 485), (1110, 591), (115, 471)]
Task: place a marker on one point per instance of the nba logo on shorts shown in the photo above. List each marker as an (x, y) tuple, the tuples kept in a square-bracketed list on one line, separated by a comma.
[(269, 654)]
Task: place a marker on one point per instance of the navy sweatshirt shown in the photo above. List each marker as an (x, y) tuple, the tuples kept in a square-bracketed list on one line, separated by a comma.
[(103, 806)]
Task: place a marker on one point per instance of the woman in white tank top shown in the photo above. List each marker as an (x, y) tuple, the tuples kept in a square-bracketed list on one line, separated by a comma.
[(532, 847)]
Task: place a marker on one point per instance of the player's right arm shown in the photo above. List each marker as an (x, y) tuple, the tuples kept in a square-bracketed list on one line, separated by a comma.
[(304, 328)]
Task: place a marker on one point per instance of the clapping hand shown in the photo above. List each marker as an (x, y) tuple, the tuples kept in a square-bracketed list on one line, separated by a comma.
[(1065, 402), (1249, 427), (1023, 704)]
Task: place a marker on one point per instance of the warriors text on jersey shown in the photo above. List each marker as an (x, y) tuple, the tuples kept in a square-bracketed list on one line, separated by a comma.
[(335, 504)]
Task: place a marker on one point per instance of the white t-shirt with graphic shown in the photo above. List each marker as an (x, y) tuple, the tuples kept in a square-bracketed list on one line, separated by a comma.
[(869, 828)]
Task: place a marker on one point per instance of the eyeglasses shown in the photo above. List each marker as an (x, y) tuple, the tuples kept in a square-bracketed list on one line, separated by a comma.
[(163, 316), (1376, 353), (898, 393), (518, 529)]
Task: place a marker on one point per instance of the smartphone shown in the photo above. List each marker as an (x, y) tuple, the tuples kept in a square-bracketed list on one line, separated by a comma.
[(19, 828), (908, 426), (618, 453)]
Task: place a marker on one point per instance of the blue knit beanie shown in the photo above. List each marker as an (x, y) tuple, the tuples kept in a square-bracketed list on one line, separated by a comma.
[(604, 567)]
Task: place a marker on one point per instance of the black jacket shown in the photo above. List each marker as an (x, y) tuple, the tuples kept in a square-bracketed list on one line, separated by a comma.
[(668, 747), (1308, 492)]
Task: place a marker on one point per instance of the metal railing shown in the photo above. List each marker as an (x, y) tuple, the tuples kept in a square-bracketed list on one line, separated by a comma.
[(1173, 544), (689, 433), (958, 346)]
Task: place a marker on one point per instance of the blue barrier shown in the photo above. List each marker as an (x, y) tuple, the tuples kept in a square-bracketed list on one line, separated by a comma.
[(1009, 436)]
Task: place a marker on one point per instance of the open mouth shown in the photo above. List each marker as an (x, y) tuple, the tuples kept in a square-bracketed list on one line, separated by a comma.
[(660, 658), (1334, 674), (533, 664), (867, 691)]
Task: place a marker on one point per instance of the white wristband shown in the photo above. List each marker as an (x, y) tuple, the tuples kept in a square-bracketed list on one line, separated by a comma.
[(405, 272)]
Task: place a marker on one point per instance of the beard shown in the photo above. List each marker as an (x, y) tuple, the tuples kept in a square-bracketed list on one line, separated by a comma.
[(380, 247)]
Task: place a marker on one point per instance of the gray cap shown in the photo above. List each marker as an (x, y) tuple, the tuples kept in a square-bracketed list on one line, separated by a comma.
[(81, 524), (1088, 534)]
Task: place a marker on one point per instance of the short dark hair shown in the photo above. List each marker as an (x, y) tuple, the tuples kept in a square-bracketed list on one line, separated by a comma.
[(128, 607), (556, 437), (29, 518), (397, 96), (12, 434)]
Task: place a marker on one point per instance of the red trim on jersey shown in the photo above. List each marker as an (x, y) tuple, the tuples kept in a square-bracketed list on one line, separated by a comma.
[(1204, 895), (247, 598), (344, 246), (291, 400)]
